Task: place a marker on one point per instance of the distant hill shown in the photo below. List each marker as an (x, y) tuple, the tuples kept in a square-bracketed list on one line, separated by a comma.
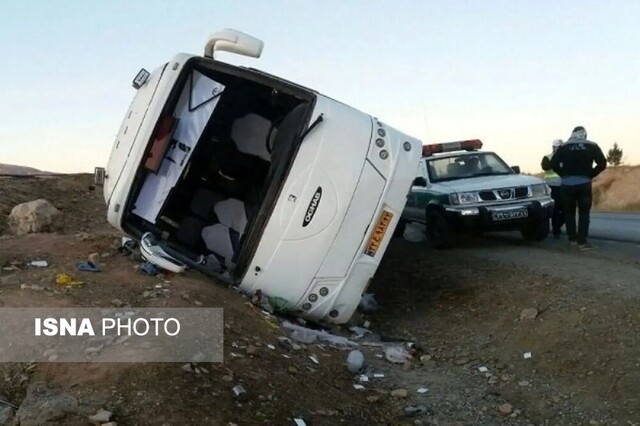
[(616, 189), (10, 169)]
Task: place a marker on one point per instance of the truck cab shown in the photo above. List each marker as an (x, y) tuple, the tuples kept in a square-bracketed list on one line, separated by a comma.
[(258, 182), (459, 188)]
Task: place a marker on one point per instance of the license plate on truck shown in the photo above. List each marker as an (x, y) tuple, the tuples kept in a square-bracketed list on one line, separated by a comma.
[(378, 233), (510, 214)]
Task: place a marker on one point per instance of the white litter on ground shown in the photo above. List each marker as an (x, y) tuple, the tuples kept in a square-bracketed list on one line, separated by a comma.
[(527, 355)]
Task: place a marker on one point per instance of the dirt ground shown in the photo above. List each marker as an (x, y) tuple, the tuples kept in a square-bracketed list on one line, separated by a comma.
[(463, 307)]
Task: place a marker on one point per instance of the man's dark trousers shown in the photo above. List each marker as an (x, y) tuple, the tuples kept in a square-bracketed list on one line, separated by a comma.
[(577, 196), (557, 220)]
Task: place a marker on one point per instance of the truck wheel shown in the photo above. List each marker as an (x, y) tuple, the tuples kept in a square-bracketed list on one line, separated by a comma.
[(439, 233), (536, 231)]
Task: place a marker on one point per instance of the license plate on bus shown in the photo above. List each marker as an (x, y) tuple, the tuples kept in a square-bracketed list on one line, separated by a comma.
[(378, 233), (510, 214)]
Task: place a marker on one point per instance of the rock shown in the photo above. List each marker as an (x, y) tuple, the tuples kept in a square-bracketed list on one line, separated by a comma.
[(399, 393), (83, 236), (594, 422), (415, 410), (109, 424), (355, 362), (373, 398), (505, 408), (118, 303), (251, 350), (529, 314), (292, 370), (523, 383), (43, 404), (6, 412), (101, 416), (9, 279), (94, 350), (34, 216), (227, 378), (425, 358)]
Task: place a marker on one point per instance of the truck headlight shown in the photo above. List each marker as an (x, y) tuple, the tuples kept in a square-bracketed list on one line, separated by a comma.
[(464, 198), (540, 190)]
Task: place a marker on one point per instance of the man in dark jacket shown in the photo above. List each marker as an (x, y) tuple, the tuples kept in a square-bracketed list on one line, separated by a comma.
[(573, 162)]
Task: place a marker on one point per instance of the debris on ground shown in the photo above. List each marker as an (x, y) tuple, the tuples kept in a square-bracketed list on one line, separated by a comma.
[(396, 354), (368, 303), (87, 266), (39, 263), (147, 268), (359, 332), (94, 258), (239, 393), (32, 287), (355, 362), (308, 336), (67, 280), (271, 304)]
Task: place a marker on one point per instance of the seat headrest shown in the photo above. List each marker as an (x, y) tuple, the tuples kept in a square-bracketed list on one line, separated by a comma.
[(252, 135), (454, 169)]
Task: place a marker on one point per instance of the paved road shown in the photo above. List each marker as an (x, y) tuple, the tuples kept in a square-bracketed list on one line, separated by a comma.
[(615, 226)]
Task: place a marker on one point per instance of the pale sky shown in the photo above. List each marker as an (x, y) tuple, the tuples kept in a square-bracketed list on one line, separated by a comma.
[(515, 74)]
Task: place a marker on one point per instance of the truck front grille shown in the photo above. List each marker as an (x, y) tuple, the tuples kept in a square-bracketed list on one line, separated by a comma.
[(505, 194)]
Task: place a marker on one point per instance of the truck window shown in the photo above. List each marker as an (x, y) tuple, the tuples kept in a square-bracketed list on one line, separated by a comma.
[(466, 166)]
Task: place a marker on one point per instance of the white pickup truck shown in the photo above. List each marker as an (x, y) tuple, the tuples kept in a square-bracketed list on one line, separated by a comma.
[(257, 181)]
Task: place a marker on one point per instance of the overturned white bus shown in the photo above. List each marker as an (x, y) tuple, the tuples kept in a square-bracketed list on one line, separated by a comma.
[(258, 182)]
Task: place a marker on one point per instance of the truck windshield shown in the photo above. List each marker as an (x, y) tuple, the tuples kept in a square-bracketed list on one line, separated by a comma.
[(466, 166)]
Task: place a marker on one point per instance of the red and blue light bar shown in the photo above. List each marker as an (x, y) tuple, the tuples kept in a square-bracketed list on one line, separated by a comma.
[(438, 148)]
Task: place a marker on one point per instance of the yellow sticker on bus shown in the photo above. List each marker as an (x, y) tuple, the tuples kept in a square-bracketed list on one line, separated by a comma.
[(378, 233)]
